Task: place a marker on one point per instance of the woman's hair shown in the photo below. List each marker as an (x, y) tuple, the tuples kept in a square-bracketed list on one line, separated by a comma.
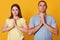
[(19, 12)]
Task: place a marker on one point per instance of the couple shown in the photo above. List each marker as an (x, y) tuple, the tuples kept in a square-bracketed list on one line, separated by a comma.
[(41, 25)]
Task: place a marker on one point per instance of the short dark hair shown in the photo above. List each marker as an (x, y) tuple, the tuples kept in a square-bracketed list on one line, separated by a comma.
[(42, 1), (19, 13)]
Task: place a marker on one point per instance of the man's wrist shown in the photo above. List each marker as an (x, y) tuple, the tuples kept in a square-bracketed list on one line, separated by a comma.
[(40, 24)]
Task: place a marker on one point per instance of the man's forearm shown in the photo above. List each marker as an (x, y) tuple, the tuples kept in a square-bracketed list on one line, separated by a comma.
[(53, 30), (35, 29)]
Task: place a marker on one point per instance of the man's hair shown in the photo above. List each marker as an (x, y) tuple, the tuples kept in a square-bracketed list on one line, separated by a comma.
[(42, 1)]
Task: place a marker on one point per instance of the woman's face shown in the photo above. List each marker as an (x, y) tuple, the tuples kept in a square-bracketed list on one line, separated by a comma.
[(15, 11)]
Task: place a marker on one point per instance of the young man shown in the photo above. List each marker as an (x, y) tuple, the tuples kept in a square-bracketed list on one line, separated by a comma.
[(42, 25)]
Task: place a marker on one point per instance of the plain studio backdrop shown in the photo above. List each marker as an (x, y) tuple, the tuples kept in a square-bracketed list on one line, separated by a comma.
[(28, 9)]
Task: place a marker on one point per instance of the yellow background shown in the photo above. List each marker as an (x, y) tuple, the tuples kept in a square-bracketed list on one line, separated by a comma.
[(28, 9)]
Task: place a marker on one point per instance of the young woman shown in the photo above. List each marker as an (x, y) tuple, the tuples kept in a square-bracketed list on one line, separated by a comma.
[(15, 24)]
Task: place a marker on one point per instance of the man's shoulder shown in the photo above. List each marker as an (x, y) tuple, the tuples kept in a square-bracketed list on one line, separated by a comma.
[(34, 16), (49, 16)]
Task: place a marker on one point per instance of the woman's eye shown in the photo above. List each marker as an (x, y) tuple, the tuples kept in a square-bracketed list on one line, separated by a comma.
[(16, 9), (40, 5), (13, 10)]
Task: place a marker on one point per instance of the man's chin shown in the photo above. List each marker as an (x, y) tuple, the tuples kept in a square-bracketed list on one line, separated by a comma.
[(42, 11)]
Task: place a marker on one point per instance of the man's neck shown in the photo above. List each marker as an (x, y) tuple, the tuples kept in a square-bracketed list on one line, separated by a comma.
[(42, 12)]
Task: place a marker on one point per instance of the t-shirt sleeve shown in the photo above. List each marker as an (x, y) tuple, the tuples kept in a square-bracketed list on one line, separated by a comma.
[(31, 24), (6, 21), (53, 22)]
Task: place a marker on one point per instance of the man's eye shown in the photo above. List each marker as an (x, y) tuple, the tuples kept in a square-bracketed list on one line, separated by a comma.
[(40, 5), (44, 5)]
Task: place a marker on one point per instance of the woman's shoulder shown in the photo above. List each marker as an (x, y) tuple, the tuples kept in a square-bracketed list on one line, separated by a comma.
[(7, 19), (22, 19)]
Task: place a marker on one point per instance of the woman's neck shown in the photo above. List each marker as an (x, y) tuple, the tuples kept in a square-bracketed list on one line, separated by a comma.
[(15, 17)]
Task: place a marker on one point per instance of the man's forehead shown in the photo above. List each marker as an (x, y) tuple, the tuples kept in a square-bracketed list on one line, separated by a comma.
[(41, 3)]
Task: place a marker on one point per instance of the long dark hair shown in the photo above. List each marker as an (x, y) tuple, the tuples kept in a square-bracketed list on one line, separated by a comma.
[(19, 13)]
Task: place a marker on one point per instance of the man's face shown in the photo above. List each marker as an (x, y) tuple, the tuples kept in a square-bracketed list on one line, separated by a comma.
[(42, 7)]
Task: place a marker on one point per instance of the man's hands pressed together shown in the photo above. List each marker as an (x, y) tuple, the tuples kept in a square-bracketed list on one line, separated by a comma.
[(42, 16), (49, 27)]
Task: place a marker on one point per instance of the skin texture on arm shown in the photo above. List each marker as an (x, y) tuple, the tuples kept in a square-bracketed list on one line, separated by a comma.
[(24, 27), (52, 29), (35, 29), (6, 28)]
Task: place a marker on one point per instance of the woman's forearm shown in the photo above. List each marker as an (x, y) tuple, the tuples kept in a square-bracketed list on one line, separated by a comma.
[(7, 29), (22, 29)]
